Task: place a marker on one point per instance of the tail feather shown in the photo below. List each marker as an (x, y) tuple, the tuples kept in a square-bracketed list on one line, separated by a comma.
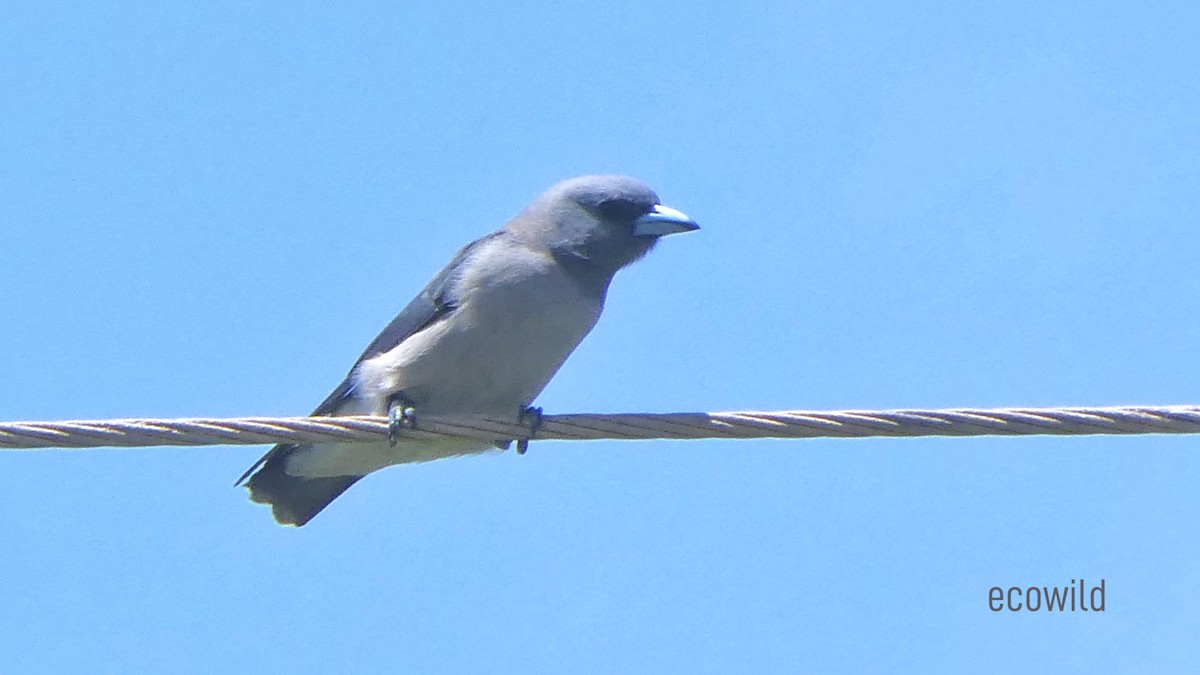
[(293, 500)]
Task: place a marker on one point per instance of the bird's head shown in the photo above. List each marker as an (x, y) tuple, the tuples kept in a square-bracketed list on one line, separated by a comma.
[(603, 222)]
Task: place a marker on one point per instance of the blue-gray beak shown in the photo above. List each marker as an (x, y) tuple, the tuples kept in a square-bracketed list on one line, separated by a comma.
[(663, 220)]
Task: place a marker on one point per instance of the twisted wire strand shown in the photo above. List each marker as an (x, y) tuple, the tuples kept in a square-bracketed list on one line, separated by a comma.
[(632, 426)]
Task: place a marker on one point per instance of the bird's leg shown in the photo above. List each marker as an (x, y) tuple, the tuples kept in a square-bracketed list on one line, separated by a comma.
[(401, 415), (534, 417)]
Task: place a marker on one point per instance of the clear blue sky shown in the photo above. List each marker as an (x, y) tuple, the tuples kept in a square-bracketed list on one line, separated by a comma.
[(210, 210)]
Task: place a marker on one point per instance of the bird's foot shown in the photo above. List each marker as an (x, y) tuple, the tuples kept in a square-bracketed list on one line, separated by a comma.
[(533, 417), (401, 415)]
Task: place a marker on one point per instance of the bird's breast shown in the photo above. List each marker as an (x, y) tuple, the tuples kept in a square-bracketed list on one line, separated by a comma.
[(511, 331)]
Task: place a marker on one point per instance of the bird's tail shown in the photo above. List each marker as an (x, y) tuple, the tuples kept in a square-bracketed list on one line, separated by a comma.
[(293, 500)]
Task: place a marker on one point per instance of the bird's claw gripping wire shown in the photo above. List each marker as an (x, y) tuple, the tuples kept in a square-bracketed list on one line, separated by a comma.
[(533, 416), (401, 415)]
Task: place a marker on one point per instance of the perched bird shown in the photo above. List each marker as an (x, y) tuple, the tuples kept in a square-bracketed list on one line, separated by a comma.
[(485, 336)]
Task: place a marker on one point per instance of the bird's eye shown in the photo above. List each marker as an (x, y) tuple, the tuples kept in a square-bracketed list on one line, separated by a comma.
[(621, 210)]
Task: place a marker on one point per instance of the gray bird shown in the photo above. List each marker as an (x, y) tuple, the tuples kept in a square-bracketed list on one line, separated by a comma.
[(485, 336)]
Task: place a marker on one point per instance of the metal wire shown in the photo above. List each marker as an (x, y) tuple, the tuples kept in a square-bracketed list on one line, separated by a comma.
[(633, 426)]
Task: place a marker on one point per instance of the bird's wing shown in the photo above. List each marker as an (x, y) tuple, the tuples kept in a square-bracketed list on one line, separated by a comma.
[(434, 303)]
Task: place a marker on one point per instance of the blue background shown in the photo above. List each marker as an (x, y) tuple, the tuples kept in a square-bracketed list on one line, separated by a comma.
[(210, 210)]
